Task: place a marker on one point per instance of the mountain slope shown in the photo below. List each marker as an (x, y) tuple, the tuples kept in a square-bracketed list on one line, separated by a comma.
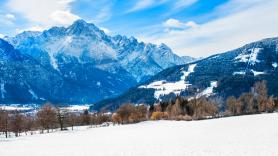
[(23, 79), (88, 64), (87, 43), (230, 73)]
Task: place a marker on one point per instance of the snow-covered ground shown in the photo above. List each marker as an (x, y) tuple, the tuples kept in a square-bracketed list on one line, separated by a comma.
[(34, 107), (164, 88), (253, 135)]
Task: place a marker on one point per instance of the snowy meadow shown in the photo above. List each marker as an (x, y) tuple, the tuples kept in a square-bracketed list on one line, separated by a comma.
[(251, 135)]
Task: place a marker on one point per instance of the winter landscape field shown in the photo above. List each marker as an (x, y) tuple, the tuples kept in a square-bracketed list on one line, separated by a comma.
[(253, 135), (138, 77)]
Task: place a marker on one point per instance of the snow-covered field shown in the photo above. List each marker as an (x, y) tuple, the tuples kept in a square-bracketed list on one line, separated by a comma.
[(254, 135)]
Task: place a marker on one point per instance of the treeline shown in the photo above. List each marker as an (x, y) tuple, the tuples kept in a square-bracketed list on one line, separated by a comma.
[(46, 119), (197, 108), (179, 109), (49, 117), (255, 101)]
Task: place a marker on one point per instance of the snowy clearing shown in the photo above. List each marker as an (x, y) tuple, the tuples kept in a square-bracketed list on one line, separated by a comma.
[(253, 135), (208, 91), (164, 88), (18, 107), (249, 58)]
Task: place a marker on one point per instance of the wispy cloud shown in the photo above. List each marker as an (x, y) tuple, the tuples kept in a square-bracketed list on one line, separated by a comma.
[(184, 3), (142, 4), (7, 19), (98, 11), (145, 4), (104, 14), (226, 33)]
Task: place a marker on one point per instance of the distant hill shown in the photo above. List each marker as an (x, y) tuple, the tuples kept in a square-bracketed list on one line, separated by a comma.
[(230, 73)]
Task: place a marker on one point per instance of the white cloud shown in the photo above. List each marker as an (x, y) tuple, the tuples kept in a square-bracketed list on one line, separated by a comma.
[(7, 20), (45, 13), (184, 3), (2, 35), (174, 23), (10, 16), (226, 33), (63, 17)]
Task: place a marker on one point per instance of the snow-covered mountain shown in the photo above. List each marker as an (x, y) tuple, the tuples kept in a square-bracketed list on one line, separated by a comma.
[(88, 44), (23, 79), (79, 64), (230, 73)]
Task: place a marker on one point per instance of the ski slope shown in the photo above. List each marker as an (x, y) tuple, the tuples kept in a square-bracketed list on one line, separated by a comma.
[(253, 135)]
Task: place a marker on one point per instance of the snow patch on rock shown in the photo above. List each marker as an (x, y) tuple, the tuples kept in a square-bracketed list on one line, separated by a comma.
[(274, 64), (256, 73), (34, 95), (239, 73), (3, 91), (53, 62)]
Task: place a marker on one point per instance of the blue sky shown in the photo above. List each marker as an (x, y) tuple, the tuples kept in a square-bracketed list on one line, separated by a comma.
[(190, 27)]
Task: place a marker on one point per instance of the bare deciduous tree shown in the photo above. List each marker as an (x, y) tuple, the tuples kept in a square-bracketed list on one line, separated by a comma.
[(260, 94), (62, 115), (17, 123), (4, 122), (46, 117)]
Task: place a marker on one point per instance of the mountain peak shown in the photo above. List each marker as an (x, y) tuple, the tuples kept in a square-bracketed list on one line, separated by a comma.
[(80, 23), (82, 27), (164, 46)]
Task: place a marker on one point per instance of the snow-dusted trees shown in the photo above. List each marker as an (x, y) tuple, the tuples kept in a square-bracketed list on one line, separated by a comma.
[(46, 117)]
